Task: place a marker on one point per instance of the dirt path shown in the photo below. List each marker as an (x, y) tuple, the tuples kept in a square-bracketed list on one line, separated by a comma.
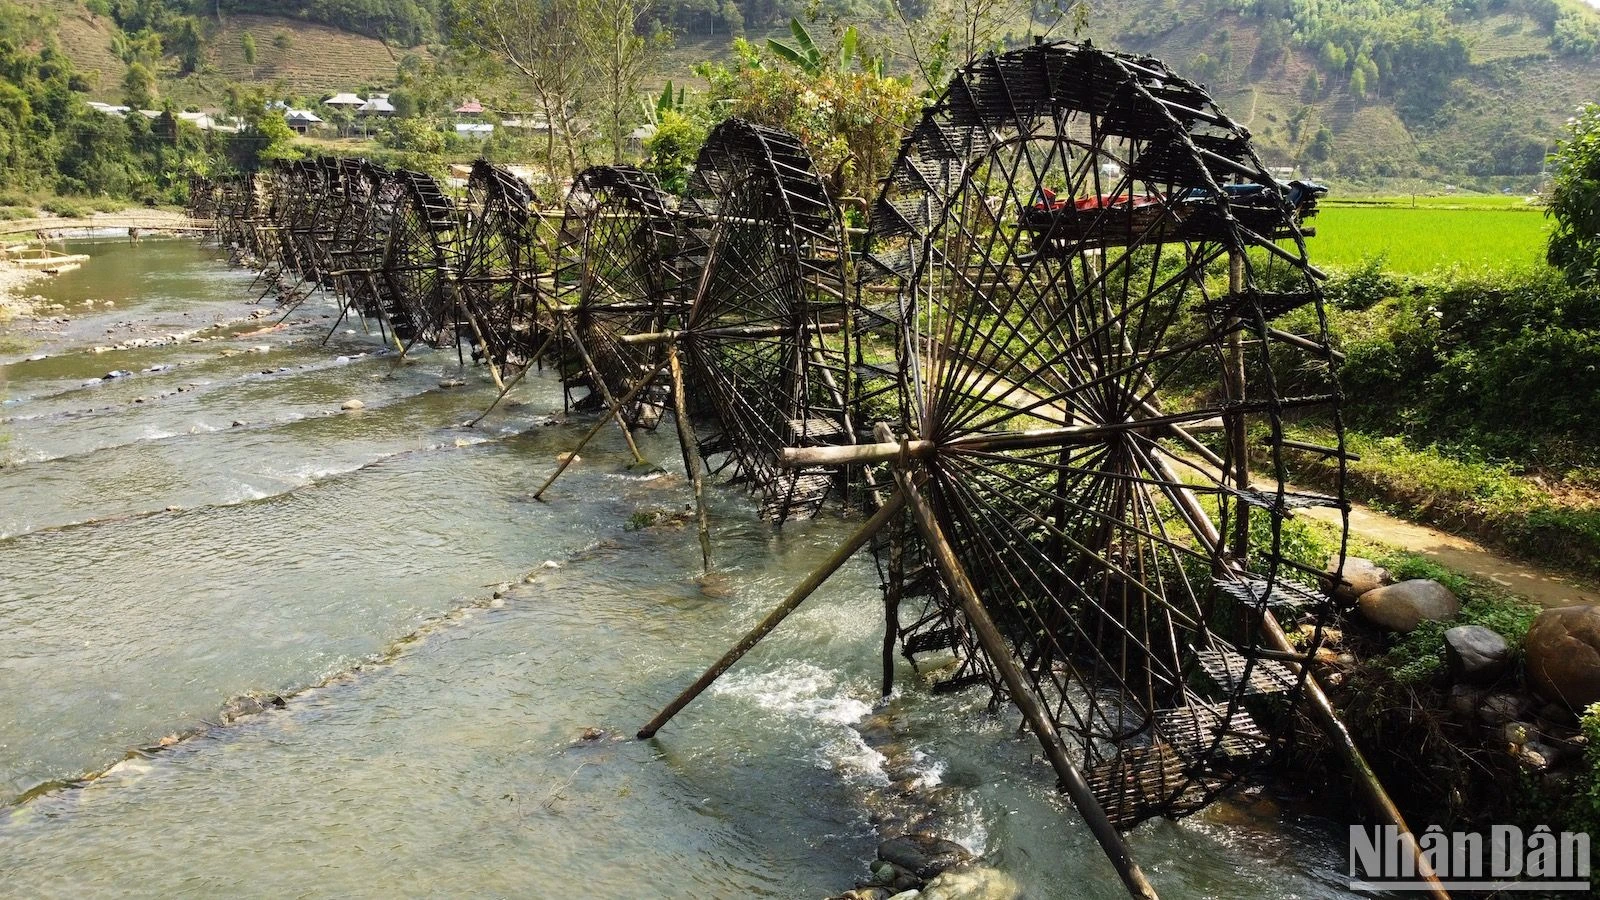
[(1541, 586)]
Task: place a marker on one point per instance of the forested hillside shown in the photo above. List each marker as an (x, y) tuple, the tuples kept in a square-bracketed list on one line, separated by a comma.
[(1461, 91)]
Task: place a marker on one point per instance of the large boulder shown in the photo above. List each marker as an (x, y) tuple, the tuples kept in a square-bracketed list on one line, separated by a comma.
[(1475, 654), (1356, 578), (1563, 656), (1402, 607)]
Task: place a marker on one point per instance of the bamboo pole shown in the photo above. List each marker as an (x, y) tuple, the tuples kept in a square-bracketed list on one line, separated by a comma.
[(1022, 693), (691, 456), (1234, 385), (599, 380), (488, 358), (514, 381), (594, 430), (790, 603)]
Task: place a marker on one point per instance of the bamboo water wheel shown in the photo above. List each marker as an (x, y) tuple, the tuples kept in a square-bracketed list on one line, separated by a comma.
[(500, 264), (764, 339), (1089, 336), (612, 283), (419, 262)]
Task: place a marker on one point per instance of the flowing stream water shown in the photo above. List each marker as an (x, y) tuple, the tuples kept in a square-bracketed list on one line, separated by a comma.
[(210, 523)]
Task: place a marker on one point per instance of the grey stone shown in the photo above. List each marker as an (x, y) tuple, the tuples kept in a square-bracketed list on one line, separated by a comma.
[(1502, 707), (1356, 578), (1563, 656), (1464, 700), (352, 404), (1402, 607), (1475, 654), (923, 854)]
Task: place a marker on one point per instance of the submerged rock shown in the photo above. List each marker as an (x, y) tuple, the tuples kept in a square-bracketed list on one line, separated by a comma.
[(248, 705), (1475, 654), (1402, 607), (1563, 655), (923, 854), (351, 404)]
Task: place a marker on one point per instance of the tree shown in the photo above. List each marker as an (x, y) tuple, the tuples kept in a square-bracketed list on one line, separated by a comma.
[(850, 117), (139, 87), (546, 43), (248, 44), (623, 58), (941, 35), (1574, 200)]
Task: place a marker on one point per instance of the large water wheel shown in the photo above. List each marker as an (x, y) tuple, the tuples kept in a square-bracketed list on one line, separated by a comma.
[(419, 262), (1089, 301), (764, 339), (499, 270), (613, 286)]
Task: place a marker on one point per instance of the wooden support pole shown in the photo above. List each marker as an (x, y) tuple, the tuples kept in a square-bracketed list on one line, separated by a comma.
[(1377, 800), (691, 456), (488, 358), (514, 381), (1234, 386), (1022, 693), (594, 430), (790, 603), (598, 378)]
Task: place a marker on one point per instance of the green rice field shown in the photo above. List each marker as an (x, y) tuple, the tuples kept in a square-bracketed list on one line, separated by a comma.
[(1474, 233)]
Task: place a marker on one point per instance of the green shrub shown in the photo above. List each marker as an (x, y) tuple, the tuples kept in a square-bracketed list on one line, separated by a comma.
[(66, 208)]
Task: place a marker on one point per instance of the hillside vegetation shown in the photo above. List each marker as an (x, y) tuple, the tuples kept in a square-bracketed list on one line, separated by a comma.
[(1459, 91)]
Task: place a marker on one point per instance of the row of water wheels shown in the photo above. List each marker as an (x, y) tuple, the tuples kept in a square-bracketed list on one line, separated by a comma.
[(1058, 364)]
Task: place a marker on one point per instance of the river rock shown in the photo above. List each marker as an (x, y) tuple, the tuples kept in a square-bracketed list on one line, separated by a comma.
[(923, 854), (1463, 701), (1402, 607), (972, 883), (352, 404), (1358, 576), (1502, 707), (1563, 655), (1475, 654)]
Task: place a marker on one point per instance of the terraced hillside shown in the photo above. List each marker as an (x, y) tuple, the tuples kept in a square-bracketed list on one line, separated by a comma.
[(318, 59)]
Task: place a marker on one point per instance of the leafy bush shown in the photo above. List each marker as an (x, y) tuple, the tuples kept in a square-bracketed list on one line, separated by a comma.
[(67, 208), (1507, 364), (1575, 199)]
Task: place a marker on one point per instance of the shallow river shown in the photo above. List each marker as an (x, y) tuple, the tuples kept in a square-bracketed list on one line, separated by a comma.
[(211, 524)]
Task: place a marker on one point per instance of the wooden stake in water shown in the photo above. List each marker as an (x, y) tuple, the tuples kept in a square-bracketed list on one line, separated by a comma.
[(790, 603), (594, 430), (691, 456)]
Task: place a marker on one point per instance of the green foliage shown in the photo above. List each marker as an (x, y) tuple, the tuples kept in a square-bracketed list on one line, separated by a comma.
[(850, 119), (1465, 359), (247, 43), (1584, 808), (1575, 199), (139, 87), (670, 152)]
